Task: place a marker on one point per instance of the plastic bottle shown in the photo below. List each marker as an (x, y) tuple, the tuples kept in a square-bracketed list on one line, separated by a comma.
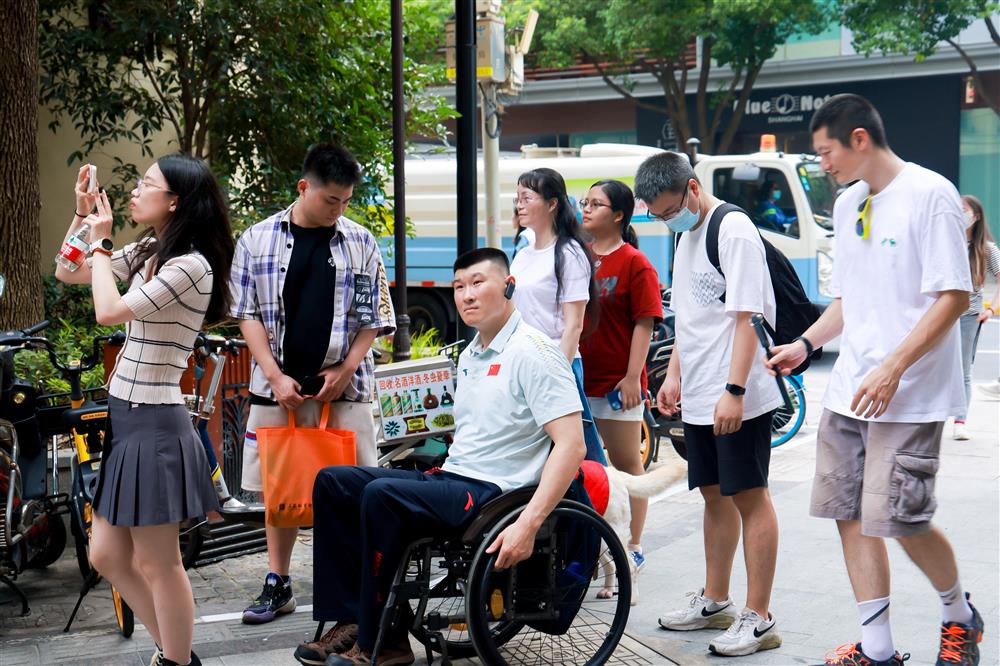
[(74, 250)]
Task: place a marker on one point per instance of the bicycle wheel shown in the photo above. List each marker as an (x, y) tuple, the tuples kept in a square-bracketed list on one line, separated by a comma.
[(191, 541), (649, 442), (123, 614), (786, 422)]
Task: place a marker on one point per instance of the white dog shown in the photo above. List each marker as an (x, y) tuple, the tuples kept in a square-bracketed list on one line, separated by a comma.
[(617, 487)]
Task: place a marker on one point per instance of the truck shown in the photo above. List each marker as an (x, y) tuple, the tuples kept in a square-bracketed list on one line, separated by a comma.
[(806, 207)]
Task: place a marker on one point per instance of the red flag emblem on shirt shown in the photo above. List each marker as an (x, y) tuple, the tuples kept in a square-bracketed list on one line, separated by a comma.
[(494, 370)]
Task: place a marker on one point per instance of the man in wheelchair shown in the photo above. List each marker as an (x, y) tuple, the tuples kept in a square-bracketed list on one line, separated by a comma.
[(517, 423)]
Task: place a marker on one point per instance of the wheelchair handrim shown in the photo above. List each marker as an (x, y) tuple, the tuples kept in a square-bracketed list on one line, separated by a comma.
[(483, 562)]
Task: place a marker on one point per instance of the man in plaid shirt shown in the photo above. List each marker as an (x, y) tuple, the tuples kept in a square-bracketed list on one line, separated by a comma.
[(310, 294)]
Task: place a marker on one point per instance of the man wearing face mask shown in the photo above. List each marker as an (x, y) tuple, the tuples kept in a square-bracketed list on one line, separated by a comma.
[(768, 213), (728, 400)]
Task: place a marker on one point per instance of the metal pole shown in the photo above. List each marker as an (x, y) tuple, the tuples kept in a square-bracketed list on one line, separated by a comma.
[(401, 339), (491, 163), (465, 131)]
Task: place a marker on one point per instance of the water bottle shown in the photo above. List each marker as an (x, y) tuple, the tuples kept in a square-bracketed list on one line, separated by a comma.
[(74, 250)]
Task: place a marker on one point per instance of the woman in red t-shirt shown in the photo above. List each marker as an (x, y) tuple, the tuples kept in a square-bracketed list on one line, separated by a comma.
[(614, 355)]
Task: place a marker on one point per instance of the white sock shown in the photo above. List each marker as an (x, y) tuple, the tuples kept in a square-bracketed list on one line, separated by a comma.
[(954, 606), (876, 634), (635, 548)]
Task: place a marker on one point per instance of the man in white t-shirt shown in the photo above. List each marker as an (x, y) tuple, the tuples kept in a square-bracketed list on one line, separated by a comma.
[(517, 423), (901, 279), (728, 400)]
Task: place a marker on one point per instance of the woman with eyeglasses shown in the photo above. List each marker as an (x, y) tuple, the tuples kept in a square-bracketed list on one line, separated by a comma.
[(614, 356), (155, 474), (984, 260), (554, 276)]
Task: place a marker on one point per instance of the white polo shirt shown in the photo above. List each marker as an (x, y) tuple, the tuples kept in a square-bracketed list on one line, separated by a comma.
[(506, 394)]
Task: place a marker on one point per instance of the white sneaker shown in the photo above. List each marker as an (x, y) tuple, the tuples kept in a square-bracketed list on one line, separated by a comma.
[(990, 390), (960, 432), (748, 634), (700, 613)]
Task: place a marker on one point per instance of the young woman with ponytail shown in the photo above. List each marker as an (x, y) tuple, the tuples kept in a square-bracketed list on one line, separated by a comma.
[(614, 356), (555, 278)]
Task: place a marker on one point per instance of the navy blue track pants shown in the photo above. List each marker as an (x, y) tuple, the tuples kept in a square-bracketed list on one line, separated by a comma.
[(364, 519)]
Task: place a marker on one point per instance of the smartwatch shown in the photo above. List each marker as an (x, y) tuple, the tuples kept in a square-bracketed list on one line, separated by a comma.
[(736, 389), (103, 246)]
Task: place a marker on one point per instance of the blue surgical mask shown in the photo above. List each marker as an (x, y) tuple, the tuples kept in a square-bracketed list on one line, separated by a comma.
[(776, 195), (684, 220)]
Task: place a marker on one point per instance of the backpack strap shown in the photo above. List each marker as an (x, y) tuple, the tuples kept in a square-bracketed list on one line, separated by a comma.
[(712, 236)]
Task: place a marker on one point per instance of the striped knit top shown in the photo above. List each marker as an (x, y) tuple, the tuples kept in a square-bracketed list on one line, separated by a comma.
[(169, 311)]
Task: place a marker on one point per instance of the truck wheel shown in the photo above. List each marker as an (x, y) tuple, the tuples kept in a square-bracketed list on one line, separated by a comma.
[(427, 311)]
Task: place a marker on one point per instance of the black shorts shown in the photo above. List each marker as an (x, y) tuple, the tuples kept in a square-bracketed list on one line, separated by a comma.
[(734, 462)]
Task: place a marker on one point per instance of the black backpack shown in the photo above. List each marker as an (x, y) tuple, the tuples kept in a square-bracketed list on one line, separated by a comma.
[(794, 311)]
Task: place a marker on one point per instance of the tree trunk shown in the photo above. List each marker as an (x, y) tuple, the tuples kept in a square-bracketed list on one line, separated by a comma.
[(20, 237)]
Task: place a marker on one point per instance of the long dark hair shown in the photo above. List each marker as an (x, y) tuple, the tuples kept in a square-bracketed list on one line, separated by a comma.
[(977, 242), (622, 201), (200, 222), (550, 185)]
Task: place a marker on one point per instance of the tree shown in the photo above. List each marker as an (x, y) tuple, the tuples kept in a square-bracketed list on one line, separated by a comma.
[(626, 38), (19, 197), (918, 27), (247, 85)]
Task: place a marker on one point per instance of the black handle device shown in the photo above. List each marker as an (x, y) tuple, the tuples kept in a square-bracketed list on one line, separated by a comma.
[(757, 320)]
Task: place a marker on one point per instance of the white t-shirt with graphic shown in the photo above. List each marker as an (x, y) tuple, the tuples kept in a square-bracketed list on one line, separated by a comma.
[(705, 326), (535, 294), (887, 282)]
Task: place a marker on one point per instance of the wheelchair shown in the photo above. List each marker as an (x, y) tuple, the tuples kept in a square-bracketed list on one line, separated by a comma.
[(544, 610)]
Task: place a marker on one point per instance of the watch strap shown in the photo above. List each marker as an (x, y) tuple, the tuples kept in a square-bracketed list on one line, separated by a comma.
[(736, 389), (809, 345), (97, 249)]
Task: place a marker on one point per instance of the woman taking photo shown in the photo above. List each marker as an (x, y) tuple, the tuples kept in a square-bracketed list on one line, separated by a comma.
[(554, 277), (984, 261), (155, 474), (614, 356)]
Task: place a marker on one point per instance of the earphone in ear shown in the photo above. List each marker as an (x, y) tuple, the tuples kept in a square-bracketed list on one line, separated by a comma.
[(508, 293)]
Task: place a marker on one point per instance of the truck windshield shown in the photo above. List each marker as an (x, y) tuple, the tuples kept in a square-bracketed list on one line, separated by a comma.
[(821, 190)]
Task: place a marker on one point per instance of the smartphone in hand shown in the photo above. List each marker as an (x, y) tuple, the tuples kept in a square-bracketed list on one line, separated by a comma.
[(615, 399), (91, 179), (311, 385)]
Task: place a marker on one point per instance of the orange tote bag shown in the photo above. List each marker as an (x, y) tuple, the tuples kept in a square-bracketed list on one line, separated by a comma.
[(290, 458)]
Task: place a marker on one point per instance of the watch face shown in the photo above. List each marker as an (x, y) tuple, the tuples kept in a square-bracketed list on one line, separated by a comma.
[(107, 244)]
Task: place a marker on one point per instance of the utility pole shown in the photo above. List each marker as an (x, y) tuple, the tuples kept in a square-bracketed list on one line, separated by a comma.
[(401, 339)]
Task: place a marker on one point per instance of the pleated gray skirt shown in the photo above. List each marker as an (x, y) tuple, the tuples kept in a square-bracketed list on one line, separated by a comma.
[(156, 471)]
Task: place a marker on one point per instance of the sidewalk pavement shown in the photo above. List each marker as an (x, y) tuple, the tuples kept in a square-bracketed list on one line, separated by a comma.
[(812, 598)]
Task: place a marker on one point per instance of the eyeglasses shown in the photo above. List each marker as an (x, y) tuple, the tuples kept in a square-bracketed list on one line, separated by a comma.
[(863, 225), (593, 203), (524, 200), (664, 217), (140, 185)]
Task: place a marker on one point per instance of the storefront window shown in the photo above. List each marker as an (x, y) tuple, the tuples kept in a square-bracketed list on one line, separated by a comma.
[(979, 161)]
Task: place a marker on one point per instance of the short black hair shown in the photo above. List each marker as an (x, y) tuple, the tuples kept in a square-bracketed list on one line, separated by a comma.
[(663, 172), (329, 163), (842, 114), (490, 254)]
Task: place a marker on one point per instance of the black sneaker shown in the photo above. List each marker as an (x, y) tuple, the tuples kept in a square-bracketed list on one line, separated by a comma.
[(851, 654), (960, 642), (275, 598)]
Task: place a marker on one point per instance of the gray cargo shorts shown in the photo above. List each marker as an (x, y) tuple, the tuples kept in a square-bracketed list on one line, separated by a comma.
[(879, 473)]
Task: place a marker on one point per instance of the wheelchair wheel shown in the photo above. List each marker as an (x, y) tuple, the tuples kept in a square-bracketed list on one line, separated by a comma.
[(552, 594), (447, 598)]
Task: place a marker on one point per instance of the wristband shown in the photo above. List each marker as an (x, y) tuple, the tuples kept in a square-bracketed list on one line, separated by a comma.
[(78, 214), (809, 346), (100, 250)]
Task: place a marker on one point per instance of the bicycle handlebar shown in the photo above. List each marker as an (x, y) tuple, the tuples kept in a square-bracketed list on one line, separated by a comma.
[(40, 326), (219, 343), (28, 340)]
